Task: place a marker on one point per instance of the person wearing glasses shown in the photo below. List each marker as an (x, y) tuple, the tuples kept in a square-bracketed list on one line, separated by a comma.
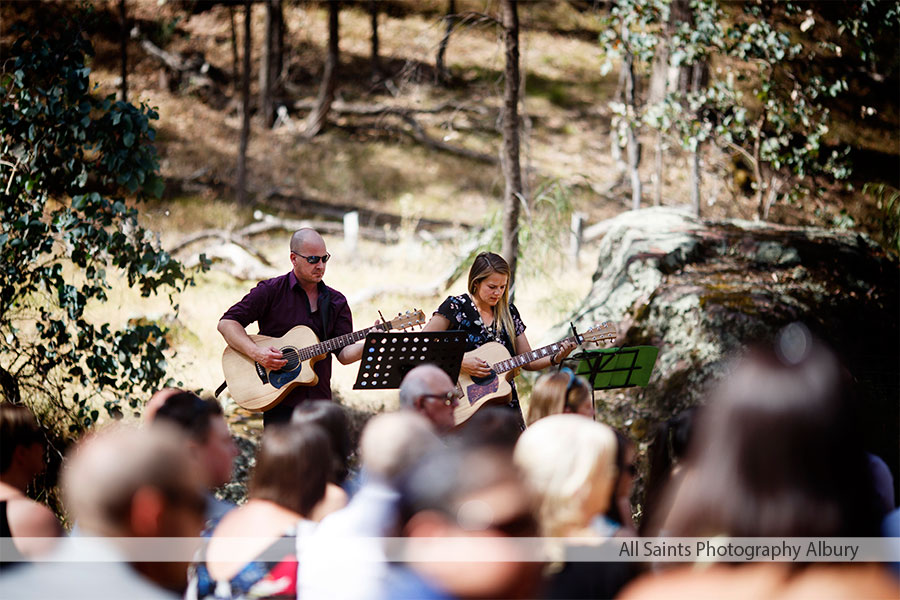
[(429, 391), (299, 297), (485, 314)]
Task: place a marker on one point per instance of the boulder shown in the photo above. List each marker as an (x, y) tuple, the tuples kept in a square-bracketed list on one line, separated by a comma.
[(701, 291)]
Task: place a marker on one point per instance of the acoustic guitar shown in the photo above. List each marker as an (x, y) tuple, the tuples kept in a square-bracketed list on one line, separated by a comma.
[(475, 392), (256, 388)]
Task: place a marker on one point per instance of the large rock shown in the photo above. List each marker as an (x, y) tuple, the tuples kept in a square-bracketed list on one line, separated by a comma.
[(702, 290)]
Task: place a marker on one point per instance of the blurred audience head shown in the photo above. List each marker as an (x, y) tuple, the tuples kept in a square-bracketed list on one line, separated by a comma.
[(392, 443), (21, 445), (430, 391), (777, 451), (491, 426), (570, 464), (156, 400), (331, 417), (666, 453), (116, 473), (560, 392), (293, 465), (204, 424), (475, 496), (128, 482)]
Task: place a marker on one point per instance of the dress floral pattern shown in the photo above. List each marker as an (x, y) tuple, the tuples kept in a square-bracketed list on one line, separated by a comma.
[(271, 579), (464, 316)]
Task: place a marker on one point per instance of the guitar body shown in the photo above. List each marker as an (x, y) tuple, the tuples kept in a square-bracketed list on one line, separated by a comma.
[(255, 387), (477, 392)]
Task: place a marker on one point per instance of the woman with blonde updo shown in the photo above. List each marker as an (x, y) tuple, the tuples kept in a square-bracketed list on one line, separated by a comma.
[(569, 463)]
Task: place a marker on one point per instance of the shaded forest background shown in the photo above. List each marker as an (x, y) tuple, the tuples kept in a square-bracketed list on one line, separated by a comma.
[(368, 155)]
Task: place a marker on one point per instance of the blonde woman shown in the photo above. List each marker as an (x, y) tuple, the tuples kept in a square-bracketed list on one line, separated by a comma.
[(569, 463), (486, 315), (557, 393)]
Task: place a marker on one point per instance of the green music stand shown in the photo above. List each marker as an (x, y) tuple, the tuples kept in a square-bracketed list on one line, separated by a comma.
[(611, 368)]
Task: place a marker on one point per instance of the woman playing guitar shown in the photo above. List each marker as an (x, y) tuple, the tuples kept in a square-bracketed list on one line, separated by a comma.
[(486, 315)]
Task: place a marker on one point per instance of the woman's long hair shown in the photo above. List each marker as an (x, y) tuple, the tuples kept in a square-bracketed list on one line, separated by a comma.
[(556, 393), (485, 265), (777, 451), (293, 465)]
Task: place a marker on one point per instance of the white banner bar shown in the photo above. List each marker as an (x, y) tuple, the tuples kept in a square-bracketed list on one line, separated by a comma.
[(485, 548)]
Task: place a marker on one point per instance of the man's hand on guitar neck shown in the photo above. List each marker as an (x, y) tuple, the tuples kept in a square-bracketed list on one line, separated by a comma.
[(271, 358)]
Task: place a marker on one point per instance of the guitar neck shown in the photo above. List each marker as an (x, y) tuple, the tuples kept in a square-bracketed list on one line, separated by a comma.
[(526, 357), (335, 344)]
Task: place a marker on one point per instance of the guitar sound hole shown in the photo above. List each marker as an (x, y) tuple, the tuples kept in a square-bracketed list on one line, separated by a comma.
[(292, 358)]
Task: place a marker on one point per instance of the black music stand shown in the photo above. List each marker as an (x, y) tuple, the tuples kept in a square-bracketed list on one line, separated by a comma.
[(611, 368), (388, 357)]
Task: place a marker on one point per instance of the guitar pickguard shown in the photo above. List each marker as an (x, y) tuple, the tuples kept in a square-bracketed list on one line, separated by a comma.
[(476, 392), (280, 378)]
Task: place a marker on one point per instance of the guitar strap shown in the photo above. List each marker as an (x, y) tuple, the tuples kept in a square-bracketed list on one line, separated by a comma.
[(220, 388), (325, 309)]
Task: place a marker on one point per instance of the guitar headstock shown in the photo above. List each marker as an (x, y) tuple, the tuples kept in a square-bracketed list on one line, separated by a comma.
[(410, 318), (599, 332)]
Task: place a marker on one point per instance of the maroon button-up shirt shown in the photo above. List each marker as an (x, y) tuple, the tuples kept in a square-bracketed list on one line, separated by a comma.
[(280, 304)]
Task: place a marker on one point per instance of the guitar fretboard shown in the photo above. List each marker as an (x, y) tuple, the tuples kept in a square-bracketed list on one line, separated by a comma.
[(523, 359), (335, 344)]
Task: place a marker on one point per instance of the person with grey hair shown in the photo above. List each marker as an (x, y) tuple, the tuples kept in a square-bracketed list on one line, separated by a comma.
[(429, 391), (299, 297), (123, 482), (346, 541)]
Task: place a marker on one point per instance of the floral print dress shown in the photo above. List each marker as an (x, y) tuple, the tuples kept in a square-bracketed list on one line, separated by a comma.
[(464, 316)]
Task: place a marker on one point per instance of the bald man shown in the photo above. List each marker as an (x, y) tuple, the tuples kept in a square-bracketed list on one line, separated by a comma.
[(120, 484), (299, 297), (429, 391)]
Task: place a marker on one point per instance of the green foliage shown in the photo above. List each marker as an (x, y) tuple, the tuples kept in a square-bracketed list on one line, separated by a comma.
[(69, 163), (631, 34), (869, 21), (765, 107)]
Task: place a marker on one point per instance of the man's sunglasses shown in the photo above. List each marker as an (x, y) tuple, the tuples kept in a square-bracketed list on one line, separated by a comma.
[(313, 259)]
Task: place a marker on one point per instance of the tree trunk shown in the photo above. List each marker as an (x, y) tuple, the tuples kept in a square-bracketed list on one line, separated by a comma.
[(757, 167), (245, 110), (316, 120), (234, 49), (278, 46), (267, 64), (681, 12), (441, 73), (699, 77), (634, 147), (375, 58), (695, 180), (615, 146), (123, 51), (512, 171), (771, 196), (657, 193)]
